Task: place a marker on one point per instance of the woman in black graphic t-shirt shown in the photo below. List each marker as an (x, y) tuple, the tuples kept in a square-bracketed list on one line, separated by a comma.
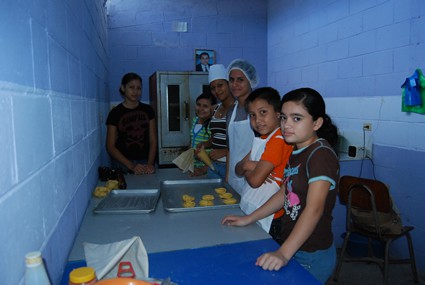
[(131, 138)]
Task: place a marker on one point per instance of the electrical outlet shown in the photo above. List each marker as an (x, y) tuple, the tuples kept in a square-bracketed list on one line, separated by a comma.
[(368, 152), (367, 127)]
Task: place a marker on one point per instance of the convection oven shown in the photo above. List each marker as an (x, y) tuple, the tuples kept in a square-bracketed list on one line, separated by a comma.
[(173, 97)]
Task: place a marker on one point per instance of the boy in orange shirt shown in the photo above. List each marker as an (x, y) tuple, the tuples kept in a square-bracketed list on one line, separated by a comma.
[(263, 167)]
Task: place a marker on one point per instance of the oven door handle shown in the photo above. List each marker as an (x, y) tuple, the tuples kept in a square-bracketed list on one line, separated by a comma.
[(186, 110)]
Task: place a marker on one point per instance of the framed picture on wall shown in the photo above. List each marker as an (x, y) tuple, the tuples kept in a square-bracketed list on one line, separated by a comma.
[(204, 58)]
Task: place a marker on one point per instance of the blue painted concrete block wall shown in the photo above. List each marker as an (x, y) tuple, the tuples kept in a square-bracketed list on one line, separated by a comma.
[(54, 87), (53, 95), (142, 37), (358, 54)]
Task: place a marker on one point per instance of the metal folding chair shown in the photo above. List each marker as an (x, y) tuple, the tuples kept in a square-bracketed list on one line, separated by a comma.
[(372, 199)]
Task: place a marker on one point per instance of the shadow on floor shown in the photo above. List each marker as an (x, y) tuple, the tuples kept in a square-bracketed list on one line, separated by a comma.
[(359, 273)]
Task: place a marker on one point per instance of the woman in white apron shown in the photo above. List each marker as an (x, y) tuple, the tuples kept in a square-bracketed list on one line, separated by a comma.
[(242, 79), (240, 140)]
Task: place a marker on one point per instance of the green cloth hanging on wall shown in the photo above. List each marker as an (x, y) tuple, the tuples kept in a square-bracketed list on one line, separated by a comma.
[(413, 94)]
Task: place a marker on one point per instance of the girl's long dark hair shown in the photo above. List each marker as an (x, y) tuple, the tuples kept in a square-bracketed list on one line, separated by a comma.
[(315, 105)]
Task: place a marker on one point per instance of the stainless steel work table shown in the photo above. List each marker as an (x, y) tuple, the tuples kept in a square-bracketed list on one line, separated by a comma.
[(190, 247), (160, 230)]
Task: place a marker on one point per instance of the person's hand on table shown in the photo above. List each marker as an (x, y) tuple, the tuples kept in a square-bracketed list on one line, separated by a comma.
[(139, 169), (233, 220), (272, 261), (149, 169)]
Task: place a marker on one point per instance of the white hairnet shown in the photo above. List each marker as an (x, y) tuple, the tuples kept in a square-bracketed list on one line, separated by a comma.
[(248, 70)]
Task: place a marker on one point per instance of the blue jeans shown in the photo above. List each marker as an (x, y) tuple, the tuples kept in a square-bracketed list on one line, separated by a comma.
[(320, 263), (220, 170)]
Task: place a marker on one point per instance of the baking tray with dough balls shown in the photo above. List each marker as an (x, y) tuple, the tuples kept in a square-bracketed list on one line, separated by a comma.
[(197, 195)]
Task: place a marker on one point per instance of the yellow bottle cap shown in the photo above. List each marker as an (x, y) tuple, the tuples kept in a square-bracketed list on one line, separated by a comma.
[(82, 274)]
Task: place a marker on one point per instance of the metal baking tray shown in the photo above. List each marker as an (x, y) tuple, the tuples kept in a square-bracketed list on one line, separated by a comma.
[(172, 192), (131, 201)]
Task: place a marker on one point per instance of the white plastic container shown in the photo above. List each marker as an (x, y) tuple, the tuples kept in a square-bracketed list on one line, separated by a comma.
[(35, 273)]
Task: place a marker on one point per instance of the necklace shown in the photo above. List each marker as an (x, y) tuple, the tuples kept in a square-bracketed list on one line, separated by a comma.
[(222, 110)]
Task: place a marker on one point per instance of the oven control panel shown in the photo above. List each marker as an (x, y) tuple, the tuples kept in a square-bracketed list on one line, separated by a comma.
[(167, 155)]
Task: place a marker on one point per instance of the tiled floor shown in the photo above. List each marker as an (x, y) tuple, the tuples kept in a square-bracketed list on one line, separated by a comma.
[(359, 273)]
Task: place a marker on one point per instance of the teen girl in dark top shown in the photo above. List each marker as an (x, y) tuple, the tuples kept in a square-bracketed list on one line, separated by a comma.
[(131, 137), (309, 190)]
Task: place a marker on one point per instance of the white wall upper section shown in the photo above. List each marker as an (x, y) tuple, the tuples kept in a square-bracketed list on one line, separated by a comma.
[(390, 126)]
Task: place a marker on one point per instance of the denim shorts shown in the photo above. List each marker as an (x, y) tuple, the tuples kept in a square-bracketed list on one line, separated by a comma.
[(320, 263)]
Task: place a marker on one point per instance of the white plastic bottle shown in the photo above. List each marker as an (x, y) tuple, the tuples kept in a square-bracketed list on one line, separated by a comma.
[(35, 273)]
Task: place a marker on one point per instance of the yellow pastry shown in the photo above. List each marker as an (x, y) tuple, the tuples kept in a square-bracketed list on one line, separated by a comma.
[(101, 191), (208, 197), (206, 203), (112, 184), (220, 190), (226, 195), (187, 198), (229, 201), (189, 204)]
